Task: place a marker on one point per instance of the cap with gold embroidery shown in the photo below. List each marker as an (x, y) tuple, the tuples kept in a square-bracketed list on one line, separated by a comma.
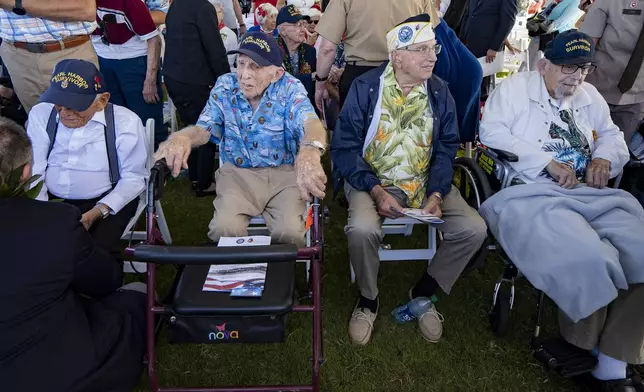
[(414, 30), (74, 84), (261, 48)]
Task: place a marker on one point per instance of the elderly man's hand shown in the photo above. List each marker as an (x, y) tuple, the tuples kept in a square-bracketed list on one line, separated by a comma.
[(433, 206), (150, 92), (90, 217), (388, 206), (563, 174), (176, 151), (310, 176), (321, 94), (598, 173)]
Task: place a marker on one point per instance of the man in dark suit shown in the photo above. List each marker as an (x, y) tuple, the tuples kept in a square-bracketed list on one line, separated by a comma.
[(195, 56), (65, 325), (485, 26)]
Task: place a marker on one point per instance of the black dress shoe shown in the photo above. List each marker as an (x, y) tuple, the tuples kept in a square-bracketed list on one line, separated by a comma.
[(210, 191)]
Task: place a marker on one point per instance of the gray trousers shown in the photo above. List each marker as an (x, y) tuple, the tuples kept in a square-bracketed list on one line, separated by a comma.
[(463, 234), (628, 118), (617, 329)]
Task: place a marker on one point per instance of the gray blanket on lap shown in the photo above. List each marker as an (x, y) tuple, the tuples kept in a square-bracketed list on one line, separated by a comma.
[(578, 245)]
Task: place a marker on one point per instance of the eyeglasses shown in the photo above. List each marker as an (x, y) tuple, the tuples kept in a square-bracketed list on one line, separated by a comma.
[(426, 49), (313, 21), (299, 25), (570, 69)]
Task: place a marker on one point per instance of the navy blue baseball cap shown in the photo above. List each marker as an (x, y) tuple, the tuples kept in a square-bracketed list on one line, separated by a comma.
[(74, 84), (289, 14), (571, 47), (261, 48)]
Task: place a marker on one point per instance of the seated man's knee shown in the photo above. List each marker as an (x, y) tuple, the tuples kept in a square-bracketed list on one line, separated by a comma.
[(363, 229), (227, 225), (289, 233), (474, 231)]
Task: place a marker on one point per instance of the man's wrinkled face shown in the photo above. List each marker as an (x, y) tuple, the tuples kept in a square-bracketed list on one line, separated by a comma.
[(77, 119), (296, 32), (418, 60), (255, 79), (564, 80), (269, 23)]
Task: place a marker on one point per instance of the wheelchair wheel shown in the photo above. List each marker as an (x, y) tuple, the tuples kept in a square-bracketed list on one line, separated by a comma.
[(471, 181), (500, 314)]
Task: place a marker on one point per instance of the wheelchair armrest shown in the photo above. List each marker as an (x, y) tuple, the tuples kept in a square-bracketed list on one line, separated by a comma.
[(207, 255), (504, 155)]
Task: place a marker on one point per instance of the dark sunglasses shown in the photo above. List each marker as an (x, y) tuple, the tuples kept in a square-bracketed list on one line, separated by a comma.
[(313, 21)]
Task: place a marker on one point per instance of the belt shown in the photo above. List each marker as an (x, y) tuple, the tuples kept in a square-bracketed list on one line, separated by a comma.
[(365, 63), (52, 46)]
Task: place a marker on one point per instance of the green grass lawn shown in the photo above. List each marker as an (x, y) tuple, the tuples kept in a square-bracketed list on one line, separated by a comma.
[(468, 358)]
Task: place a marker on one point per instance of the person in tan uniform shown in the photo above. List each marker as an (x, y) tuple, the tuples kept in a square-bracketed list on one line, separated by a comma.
[(365, 44)]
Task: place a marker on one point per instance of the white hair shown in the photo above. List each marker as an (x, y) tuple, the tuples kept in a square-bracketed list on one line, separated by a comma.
[(267, 9)]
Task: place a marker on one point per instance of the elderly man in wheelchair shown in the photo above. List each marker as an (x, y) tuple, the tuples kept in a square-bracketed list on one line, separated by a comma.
[(270, 140), (394, 146), (575, 239)]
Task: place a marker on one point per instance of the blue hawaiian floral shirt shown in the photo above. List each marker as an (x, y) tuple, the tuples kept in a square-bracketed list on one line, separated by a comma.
[(267, 138)]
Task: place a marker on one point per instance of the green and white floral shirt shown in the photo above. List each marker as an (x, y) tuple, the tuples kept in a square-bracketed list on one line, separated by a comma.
[(399, 152)]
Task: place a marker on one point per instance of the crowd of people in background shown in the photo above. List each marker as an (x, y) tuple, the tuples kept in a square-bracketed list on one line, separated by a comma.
[(84, 79)]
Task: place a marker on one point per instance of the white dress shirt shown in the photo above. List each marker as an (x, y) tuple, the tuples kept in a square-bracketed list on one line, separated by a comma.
[(78, 168), (517, 118)]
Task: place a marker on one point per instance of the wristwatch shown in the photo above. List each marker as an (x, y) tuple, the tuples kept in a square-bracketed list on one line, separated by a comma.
[(319, 79), (105, 211), (438, 195), (315, 144), (18, 10)]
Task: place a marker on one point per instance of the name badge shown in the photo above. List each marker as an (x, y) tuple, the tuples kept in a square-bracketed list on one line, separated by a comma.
[(631, 11)]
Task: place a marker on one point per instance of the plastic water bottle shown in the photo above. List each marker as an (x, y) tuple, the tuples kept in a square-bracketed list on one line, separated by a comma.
[(413, 309)]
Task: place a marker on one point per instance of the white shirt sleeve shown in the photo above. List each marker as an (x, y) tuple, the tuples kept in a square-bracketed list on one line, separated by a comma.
[(499, 116), (37, 132), (610, 143), (131, 146)]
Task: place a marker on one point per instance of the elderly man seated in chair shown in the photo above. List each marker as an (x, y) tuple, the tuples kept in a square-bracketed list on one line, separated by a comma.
[(91, 153), (571, 236), (394, 146), (270, 140)]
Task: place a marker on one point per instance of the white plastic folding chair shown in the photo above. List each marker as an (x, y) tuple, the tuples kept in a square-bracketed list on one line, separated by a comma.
[(139, 235), (404, 226)]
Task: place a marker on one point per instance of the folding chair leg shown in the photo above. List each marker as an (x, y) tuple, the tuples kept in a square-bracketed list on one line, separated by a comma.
[(163, 225)]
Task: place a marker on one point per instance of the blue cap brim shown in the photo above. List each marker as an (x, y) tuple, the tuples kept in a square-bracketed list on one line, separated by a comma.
[(69, 100), (256, 57), (573, 60)]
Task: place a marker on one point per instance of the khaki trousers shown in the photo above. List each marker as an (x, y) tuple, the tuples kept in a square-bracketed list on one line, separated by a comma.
[(31, 72), (617, 329), (463, 234), (628, 118), (245, 193)]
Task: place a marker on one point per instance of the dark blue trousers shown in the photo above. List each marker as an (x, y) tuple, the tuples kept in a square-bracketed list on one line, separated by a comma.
[(124, 79)]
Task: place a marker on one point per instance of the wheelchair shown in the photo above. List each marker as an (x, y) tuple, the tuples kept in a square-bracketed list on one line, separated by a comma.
[(194, 316), (478, 178)]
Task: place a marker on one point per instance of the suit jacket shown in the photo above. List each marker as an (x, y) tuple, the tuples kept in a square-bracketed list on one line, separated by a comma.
[(194, 51), (51, 338), (487, 24)]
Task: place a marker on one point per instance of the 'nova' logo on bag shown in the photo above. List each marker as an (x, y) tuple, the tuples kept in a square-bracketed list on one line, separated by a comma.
[(222, 334)]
